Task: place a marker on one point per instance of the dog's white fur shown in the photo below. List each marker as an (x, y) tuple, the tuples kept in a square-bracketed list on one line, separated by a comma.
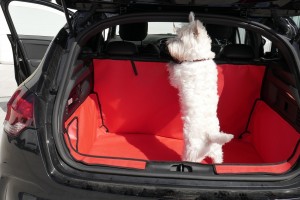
[(195, 77)]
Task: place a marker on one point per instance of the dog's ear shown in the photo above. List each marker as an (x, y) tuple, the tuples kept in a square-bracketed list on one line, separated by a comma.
[(174, 28), (192, 16), (196, 28)]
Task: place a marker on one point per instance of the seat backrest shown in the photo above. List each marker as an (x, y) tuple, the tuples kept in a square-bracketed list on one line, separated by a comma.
[(146, 102), (130, 34), (220, 35), (121, 48), (237, 53)]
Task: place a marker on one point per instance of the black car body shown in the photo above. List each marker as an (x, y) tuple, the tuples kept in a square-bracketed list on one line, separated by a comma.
[(97, 118)]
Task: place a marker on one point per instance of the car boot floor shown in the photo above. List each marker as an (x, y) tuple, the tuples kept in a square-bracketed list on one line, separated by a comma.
[(157, 148), (89, 141)]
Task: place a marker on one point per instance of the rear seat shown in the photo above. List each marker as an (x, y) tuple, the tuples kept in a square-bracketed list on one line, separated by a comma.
[(237, 53), (131, 34), (220, 36)]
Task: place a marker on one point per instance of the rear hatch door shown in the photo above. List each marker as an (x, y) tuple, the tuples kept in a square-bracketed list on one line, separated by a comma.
[(32, 24)]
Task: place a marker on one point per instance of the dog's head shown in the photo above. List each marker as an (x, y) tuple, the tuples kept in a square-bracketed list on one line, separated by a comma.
[(191, 43)]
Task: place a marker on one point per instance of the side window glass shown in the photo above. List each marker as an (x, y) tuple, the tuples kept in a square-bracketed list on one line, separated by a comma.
[(35, 19), (105, 34), (267, 45), (240, 36), (297, 20)]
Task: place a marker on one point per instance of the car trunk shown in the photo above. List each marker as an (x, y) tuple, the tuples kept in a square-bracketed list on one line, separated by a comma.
[(130, 116)]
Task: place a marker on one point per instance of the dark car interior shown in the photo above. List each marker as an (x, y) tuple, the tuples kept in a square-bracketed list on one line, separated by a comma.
[(123, 112)]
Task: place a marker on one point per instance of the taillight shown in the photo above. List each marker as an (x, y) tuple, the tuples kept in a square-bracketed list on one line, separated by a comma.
[(19, 112)]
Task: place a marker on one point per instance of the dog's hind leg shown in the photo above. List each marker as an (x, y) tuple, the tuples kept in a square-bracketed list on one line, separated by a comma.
[(216, 153), (196, 152)]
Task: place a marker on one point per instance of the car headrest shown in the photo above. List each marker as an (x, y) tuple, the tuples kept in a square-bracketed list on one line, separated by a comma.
[(121, 48), (219, 31), (237, 51), (134, 31)]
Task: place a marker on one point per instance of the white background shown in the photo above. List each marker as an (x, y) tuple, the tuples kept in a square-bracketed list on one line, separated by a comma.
[(44, 22), (5, 49)]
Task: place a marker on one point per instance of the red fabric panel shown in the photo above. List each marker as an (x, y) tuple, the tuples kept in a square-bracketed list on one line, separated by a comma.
[(155, 148), (279, 168), (148, 104), (119, 150), (239, 87), (150, 147), (89, 120), (72, 149), (239, 151), (89, 159), (143, 115), (116, 162), (139, 146), (72, 129), (273, 137)]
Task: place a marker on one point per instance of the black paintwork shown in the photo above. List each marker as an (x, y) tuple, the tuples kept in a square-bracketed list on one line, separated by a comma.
[(23, 173)]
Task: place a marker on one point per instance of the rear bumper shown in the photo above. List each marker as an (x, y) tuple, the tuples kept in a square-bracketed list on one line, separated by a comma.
[(24, 176)]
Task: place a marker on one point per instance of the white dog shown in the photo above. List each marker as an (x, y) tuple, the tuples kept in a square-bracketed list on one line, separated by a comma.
[(195, 76)]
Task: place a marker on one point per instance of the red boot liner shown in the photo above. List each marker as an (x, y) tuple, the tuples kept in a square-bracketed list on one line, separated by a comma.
[(142, 114)]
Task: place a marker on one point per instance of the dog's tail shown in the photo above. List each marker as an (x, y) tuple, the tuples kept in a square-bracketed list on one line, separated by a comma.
[(220, 138)]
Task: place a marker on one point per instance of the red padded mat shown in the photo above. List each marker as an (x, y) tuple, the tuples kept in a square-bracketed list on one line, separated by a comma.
[(142, 114), (147, 103), (133, 150)]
